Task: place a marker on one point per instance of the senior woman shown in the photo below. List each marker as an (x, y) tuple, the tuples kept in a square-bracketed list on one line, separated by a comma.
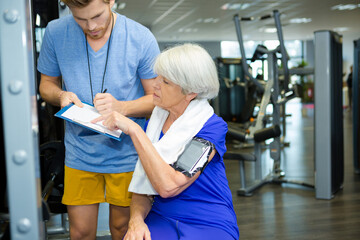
[(169, 202)]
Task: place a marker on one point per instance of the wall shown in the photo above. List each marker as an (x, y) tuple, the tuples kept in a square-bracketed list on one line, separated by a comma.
[(213, 48), (309, 52), (348, 51)]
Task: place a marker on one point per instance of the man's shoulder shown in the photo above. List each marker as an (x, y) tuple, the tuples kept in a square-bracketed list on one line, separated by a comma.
[(60, 22), (132, 25), (60, 25), (64, 29)]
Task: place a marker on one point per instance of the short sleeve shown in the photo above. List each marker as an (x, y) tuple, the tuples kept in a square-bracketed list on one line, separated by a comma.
[(215, 130), (47, 63), (149, 54)]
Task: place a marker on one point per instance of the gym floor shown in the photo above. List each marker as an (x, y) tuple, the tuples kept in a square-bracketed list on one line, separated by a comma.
[(287, 211), (290, 211)]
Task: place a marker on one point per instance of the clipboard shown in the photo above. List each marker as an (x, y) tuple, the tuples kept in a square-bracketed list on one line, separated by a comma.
[(83, 116)]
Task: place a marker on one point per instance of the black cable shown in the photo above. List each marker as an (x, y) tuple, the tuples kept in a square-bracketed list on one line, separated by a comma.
[(107, 55)]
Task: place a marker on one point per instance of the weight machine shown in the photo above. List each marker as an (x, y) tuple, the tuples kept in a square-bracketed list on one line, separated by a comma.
[(27, 185), (272, 94), (19, 121), (52, 150), (329, 132)]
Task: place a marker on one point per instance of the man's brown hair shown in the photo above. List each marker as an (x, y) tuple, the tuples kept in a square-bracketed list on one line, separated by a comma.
[(79, 3)]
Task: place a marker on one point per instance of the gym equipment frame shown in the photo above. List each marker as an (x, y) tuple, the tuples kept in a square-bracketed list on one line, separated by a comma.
[(355, 106), (20, 124), (257, 133), (329, 133)]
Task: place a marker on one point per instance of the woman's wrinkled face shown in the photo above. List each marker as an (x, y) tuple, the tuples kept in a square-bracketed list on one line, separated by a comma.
[(167, 94)]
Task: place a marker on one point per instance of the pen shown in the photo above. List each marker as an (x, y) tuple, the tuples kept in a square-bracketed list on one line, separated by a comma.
[(104, 90)]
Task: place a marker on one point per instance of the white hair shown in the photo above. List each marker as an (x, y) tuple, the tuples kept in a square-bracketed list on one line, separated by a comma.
[(191, 67)]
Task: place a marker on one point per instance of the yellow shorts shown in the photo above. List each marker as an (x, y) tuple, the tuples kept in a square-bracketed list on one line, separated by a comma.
[(84, 188)]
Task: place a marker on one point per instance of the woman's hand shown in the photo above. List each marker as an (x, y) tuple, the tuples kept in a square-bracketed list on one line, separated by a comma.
[(115, 121), (104, 103), (137, 230)]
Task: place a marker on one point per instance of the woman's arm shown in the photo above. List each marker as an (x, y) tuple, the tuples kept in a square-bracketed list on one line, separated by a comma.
[(139, 209), (166, 181)]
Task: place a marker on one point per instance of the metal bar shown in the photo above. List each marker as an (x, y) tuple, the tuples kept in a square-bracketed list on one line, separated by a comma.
[(242, 174), (284, 55), (243, 56), (19, 114), (355, 106), (322, 116), (284, 60)]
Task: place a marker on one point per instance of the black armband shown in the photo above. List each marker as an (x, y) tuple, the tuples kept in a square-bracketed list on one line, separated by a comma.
[(195, 157)]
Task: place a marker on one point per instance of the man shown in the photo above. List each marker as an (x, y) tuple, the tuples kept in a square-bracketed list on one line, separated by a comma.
[(349, 85), (100, 57)]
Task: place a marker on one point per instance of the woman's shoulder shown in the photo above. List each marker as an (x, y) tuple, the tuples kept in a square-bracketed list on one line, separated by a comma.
[(215, 123), (214, 129)]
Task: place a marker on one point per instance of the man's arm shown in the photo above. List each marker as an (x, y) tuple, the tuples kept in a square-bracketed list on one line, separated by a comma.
[(105, 103), (142, 106), (51, 91)]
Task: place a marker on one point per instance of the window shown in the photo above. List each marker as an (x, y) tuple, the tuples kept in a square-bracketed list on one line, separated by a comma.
[(230, 49), (294, 48)]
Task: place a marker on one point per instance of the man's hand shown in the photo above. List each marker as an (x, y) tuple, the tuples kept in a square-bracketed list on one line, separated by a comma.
[(69, 97), (137, 230), (104, 103)]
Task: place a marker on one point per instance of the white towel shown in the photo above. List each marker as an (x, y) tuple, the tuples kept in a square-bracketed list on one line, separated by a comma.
[(172, 144)]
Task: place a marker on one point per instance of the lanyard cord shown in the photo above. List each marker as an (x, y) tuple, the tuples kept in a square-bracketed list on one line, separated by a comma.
[(107, 55)]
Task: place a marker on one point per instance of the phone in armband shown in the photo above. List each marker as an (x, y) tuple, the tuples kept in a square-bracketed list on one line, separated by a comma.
[(194, 157)]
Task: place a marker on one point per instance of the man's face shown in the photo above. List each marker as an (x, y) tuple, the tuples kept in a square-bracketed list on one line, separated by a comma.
[(94, 19)]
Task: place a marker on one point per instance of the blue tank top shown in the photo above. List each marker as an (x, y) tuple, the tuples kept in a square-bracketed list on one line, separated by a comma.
[(208, 200)]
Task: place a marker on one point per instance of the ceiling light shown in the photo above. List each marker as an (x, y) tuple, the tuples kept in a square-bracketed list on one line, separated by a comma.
[(268, 30), (341, 29), (300, 20), (345, 7), (235, 6), (188, 30), (121, 5), (210, 20)]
